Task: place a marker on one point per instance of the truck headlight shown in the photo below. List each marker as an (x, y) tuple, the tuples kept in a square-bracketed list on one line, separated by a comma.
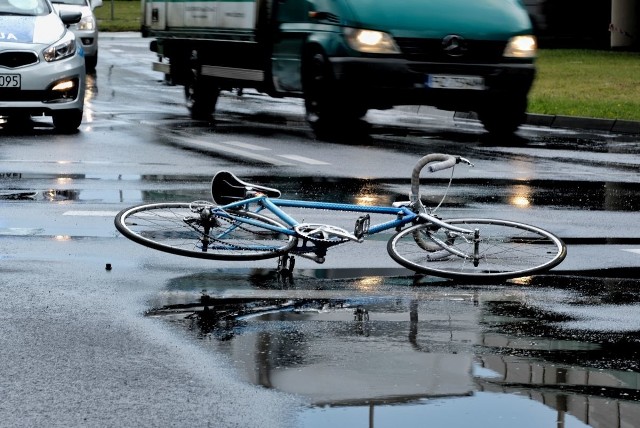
[(63, 48), (521, 47), (370, 41)]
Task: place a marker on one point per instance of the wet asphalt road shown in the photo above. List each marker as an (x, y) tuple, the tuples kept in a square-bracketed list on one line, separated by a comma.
[(355, 341)]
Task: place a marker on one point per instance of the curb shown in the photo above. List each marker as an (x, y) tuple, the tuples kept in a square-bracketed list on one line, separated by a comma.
[(617, 126), (609, 125)]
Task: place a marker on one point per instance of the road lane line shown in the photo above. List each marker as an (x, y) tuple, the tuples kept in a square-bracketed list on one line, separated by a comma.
[(304, 159), (91, 213), (20, 231), (637, 251), (246, 145), (221, 147)]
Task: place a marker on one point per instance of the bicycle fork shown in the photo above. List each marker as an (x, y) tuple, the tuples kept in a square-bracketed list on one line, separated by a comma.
[(476, 247)]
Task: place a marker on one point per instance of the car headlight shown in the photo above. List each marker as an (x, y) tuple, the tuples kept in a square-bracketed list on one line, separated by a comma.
[(63, 48), (87, 23), (370, 41), (521, 47)]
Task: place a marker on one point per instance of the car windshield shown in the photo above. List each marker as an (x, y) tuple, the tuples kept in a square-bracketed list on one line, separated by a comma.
[(24, 7), (73, 2)]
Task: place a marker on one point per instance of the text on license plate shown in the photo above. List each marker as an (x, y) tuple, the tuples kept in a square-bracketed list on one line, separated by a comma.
[(447, 81), (9, 81)]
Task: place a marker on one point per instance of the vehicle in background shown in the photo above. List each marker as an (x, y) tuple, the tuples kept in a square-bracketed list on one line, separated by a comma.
[(86, 29), (42, 69), (345, 57)]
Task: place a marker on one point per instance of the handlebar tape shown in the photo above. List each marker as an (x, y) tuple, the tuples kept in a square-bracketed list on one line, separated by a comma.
[(442, 161)]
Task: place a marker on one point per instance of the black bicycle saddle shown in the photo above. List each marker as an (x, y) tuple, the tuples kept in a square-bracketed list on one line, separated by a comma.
[(227, 188)]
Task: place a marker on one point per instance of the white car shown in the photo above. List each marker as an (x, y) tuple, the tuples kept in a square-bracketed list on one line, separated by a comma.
[(86, 29), (42, 66)]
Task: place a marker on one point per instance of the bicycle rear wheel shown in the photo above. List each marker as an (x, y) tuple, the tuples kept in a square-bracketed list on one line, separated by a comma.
[(189, 230), (505, 250)]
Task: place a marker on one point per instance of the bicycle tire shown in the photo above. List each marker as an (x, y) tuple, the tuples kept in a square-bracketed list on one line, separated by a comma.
[(162, 226), (507, 250)]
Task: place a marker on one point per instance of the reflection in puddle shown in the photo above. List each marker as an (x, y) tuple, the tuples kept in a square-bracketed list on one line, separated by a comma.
[(518, 194), (404, 350)]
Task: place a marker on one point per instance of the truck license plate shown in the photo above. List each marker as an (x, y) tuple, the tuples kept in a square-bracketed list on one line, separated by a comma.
[(10, 81), (448, 81)]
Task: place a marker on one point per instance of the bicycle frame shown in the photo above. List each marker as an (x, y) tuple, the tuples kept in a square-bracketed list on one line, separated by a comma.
[(403, 214)]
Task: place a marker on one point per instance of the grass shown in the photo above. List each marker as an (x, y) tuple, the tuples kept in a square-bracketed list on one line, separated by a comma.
[(119, 15), (587, 83)]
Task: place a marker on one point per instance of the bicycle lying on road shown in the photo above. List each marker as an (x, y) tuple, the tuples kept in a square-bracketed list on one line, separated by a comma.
[(248, 222)]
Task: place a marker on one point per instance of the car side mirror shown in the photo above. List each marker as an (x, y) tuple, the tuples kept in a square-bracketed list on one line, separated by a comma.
[(69, 18), (95, 3)]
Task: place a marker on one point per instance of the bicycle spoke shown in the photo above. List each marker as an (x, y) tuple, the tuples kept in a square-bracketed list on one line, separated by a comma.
[(505, 250), (179, 229)]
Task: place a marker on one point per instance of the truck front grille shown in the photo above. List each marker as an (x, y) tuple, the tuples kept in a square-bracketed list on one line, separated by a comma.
[(432, 50)]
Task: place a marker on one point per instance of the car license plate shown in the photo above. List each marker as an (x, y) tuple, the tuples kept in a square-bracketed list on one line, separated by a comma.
[(10, 81), (448, 81)]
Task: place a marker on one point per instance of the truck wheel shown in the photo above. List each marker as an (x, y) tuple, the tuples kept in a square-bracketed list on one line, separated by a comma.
[(317, 81), (201, 95), (327, 109), (503, 116)]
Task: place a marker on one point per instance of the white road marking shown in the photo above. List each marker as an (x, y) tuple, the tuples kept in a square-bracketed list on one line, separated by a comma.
[(246, 145), (92, 213), (19, 231), (304, 159), (633, 251), (222, 147)]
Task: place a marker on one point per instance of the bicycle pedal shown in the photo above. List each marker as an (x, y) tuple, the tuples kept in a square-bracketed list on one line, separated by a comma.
[(362, 226)]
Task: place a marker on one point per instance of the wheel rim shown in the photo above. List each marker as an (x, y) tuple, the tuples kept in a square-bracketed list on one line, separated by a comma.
[(163, 227), (507, 250)]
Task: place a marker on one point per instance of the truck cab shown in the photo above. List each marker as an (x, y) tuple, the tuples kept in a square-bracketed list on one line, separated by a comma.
[(344, 57)]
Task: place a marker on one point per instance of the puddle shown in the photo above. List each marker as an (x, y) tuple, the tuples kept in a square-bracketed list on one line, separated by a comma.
[(591, 196), (398, 351)]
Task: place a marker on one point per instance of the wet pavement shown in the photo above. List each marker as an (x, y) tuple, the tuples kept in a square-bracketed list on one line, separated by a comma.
[(377, 350), (159, 340)]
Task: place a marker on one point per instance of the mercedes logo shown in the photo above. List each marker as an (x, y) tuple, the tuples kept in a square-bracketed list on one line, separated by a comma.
[(454, 45)]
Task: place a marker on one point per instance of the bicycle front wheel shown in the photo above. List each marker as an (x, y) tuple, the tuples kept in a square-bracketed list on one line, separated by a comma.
[(504, 249), (191, 230)]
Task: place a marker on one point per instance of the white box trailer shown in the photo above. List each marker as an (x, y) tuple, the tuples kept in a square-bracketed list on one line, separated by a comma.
[(168, 16)]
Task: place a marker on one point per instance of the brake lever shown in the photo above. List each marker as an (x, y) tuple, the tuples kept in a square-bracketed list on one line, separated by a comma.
[(460, 159)]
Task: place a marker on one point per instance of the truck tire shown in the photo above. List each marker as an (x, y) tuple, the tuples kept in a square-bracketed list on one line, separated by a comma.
[(328, 110), (503, 116), (201, 94)]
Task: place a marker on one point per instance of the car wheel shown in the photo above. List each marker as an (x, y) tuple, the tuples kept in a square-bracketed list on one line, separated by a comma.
[(67, 121), (18, 121), (91, 62)]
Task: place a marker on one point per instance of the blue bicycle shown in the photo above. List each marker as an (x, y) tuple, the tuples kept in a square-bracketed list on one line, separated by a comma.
[(248, 222)]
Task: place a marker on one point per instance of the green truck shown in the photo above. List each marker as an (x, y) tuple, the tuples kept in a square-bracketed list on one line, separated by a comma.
[(344, 57)]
